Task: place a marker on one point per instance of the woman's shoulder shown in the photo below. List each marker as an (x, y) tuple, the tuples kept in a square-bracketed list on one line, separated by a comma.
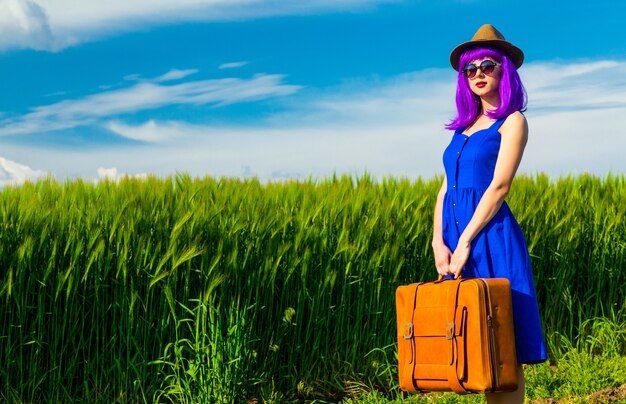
[(516, 118), (515, 123)]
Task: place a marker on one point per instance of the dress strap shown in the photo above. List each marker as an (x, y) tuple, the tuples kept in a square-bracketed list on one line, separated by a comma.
[(496, 125)]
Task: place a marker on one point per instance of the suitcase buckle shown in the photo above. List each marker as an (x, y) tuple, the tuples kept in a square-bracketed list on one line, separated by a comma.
[(450, 330), (409, 328)]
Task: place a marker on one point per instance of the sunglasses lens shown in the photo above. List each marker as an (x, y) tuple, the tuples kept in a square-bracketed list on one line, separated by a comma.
[(470, 70), (487, 67)]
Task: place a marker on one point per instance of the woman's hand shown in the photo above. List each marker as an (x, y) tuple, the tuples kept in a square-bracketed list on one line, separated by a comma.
[(442, 258), (459, 258)]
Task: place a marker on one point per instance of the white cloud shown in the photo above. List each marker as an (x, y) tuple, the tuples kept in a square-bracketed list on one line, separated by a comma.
[(395, 127), (575, 111), (150, 131), (107, 173), (70, 13), (53, 24), (24, 24), (232, 65), (417, 97), (556, 87), (145, 95), (113, 175), (12, 173), (176, 74), (392, 126)]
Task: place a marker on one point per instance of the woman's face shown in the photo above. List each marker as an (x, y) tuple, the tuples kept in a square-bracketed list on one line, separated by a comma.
[(482, 83)]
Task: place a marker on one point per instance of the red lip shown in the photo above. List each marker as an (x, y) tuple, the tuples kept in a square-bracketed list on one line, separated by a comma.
[(481, 84)]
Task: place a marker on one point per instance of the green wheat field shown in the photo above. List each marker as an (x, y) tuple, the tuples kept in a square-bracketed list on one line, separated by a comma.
[(190, 290)]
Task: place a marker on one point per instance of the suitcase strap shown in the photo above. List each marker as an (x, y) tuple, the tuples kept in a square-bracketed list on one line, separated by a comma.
[(417, 389), (453, 354)]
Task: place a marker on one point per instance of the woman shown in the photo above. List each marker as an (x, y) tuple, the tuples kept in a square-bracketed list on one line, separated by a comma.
[(475, 233)]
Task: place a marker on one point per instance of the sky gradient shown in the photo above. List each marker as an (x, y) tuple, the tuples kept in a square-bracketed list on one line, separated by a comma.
[(280, 90)]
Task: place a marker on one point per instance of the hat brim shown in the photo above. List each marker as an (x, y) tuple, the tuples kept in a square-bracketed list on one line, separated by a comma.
[(513, 52)]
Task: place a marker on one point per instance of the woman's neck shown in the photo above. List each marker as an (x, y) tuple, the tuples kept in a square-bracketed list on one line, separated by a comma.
[(490, 103)]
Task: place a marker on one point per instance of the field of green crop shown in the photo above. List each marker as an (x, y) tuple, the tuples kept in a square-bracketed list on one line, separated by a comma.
[(223, 290)]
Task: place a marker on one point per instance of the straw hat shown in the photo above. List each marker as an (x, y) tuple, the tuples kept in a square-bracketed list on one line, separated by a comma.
[(489, 36)]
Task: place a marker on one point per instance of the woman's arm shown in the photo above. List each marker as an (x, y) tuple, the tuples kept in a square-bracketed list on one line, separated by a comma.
[(514, 137), (441, 250)]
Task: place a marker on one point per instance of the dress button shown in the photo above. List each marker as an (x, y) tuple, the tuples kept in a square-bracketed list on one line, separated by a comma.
[(453, 186), (454, 204), (457, 222)]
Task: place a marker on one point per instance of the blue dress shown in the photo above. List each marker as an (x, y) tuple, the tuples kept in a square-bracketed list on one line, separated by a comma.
[(499, 250)]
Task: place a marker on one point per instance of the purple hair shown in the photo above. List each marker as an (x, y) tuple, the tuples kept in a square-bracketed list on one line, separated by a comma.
[(512, 93)]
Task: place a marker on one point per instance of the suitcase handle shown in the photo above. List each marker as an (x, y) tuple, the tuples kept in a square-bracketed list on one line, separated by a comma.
[(440, 278)]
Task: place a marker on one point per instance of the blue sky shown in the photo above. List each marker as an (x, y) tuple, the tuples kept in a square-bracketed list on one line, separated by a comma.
[(291, 89)]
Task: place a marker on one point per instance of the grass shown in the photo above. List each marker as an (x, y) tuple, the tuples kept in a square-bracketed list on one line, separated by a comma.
[(223, 290), (572, 379)]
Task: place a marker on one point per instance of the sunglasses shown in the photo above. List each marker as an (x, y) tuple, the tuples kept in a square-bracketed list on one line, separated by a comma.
[(486, 66)]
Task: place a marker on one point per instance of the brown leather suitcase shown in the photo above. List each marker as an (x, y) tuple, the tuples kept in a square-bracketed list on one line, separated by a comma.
[(456, 335)]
